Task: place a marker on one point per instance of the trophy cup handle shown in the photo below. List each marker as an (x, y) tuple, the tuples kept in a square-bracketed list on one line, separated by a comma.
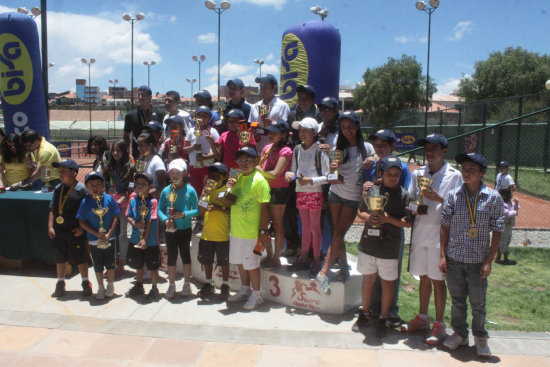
[(385, 200)]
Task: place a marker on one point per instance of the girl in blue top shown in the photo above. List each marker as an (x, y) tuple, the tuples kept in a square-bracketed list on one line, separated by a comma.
[(178, 224)]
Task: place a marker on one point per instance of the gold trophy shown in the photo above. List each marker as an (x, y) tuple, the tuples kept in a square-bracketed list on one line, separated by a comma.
[(376, 205), (172, 196), (46, 178), (198, 134), (210, 184), (418, 206), (336, 156), (244, 135), (143, 211), (263, 111), (100, 211), (227, 195), (174, 141), (140, 165)]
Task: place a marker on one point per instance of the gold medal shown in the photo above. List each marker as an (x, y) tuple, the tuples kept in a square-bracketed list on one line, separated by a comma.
[(472, 211), (60, 220), (472, 232)]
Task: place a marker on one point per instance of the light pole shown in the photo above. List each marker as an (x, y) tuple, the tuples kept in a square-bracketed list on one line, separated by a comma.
[(127, 17), (149, 64), (259, 62), (84, 61), (191, 81), (225, 5), (323, 13), (114, 83), (199, 60), (421, 5)]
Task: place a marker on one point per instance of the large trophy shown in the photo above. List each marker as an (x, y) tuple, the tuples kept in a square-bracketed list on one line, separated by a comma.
[(140, 165), (174, 141), (100, 211), (227, 195), (46, 178), (143, 211), (210, 184), (198, 132), (418, 206), (376, 205), (263, 111), (172, 196), (244, 134), (336, 156)]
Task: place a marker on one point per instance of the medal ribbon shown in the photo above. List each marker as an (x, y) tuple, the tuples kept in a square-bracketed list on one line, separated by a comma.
[(63, 200), (145, 121), (472, 211)]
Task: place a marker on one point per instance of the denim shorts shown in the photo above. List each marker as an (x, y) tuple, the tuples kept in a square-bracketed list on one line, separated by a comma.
[(335, 199)]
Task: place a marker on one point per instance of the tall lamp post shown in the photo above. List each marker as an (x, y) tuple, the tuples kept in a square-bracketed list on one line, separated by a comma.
[(323, 13), (191, 81), (114, 83), (89, 63), (421, 5), (259, 62), (149, 64), (225, 5), (127, 17), (199, 60)]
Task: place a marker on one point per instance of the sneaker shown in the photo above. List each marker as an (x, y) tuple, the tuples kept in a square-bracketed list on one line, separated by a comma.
[(315, 268), (241, 295), (437, 334), (224, 292), (343, 274), (381, 327), (59, 289), (362, 321), (186, 290), (153, 295), (86, 288), (298, 265), (454, 341), (482, 347), (136, 290), (110, 291), (100, 293), (418, 323), (253, 301), (206, 290), (395, 321), (171, 291), (324, 283)]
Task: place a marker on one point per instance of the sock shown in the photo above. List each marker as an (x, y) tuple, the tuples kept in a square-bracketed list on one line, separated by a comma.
[(256, 293), (246, 288), (423, 315), (85, 279), (60, 279), (226, 282)]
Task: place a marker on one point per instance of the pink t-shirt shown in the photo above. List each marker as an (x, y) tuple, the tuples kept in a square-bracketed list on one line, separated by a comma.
[(271, 162), (231, 144)]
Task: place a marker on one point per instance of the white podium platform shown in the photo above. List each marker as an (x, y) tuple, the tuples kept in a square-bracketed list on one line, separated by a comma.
[(294, 290)]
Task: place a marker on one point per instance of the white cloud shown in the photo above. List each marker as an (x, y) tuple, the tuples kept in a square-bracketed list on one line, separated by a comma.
[(229, 70), (247, 73), (270, 57), (461, 29), (277, 4), (207, 38), (410, 38), (448, 86), (173, 19)]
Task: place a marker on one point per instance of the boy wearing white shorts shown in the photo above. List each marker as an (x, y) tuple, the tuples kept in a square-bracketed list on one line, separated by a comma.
[(424, 253), (379, 245), (249, 225)]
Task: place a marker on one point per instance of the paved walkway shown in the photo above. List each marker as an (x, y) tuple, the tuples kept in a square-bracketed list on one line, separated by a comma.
[(37, 330)]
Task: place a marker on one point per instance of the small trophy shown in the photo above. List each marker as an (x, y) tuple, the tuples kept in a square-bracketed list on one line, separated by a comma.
[(140, 165), (198, 132), (100, 211), (244, 134), (172, 196), (46, 179), (227, 195), (143, 211), (210, 184), (375, 204), (263, 110), (174, 141), (418, 206), (336, 156)]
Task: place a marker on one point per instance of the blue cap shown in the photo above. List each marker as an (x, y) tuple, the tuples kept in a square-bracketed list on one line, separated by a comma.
[(144, 175), (383, 134), (278, 126), (67, 163), (248, 151), (501, 164), (236, 82), (203, 109), (235, 112), (350, 115), (474, 157), (218, 166), (203, 93), (306, 89), (389, 162), (268, 78), (145, 89), (154, 125), (329, 102), (434, 138), (177, 119), (93, 174)]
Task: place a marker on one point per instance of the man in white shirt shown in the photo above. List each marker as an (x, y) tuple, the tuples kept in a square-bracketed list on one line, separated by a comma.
[(425, 247), (278, 109), (504, 180), (171, 104)]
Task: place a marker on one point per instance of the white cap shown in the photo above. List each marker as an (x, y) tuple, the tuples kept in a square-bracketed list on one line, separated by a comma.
[(306, 123), (178, 164)]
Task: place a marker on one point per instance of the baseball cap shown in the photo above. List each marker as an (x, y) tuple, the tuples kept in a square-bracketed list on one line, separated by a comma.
[(474, 157), (93, 174), (235, 112), (236, 82), (329, 102), (203, 93), (278, 126), (144, 175), (154, 125), (176, 119), (203, 109), (306, 89), (389, 162), (306, 123), (218, 166), (178, 164), (248, 151), (501, 164), (268, 78), (383, 134), (350, 115), (434, 138), (67, 163)]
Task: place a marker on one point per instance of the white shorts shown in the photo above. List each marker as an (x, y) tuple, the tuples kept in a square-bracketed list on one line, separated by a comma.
[(241, 251), (386, 268), (425, 261)]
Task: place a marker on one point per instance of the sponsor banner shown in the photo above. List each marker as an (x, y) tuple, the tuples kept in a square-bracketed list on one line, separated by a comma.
[(406, 141), (64, 148)]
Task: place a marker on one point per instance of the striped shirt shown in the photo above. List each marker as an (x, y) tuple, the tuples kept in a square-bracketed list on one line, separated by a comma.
[(490, 217)]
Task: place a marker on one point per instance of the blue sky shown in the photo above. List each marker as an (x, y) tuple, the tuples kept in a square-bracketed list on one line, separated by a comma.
[(463, 32)]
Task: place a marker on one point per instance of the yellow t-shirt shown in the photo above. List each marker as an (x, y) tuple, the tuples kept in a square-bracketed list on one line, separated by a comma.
[(45, 156), (15, 172), (216, 223)]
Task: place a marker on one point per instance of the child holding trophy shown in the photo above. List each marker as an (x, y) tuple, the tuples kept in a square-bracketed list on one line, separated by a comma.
[(177, 205), (98, 215), (379, 246), (144, 245)]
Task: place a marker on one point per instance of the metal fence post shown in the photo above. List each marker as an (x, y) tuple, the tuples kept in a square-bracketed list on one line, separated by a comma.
[(520, 112), (484, 123), (545, 150), (441, 121)]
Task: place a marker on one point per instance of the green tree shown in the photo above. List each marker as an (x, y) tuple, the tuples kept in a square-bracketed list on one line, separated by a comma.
[(504, 74), (396, 85)]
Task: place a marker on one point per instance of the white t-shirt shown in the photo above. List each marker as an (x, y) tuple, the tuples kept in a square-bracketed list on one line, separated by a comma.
[(186, 119), (205, 145), (279, 110), (352, 171), (307, 167), (426, 228), (153, 165), (503, 181)]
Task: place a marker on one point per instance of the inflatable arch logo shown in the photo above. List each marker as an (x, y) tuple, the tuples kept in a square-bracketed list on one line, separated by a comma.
[(16, 71), (294, 68)]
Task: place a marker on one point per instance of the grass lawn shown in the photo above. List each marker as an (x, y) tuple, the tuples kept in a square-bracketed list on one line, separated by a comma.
[(532, 182), (518, 297)]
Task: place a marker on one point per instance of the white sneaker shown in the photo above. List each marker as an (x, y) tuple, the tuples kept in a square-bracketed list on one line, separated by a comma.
[(110, 290), (100, 293), (454, 341), (253, 301), (482, 347), (186, 290), (171, 291), (241, 295)]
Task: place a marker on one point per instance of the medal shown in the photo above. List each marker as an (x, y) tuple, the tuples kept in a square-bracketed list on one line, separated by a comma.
[(472, 211), (62, 201), (472, 232), (60, 220)]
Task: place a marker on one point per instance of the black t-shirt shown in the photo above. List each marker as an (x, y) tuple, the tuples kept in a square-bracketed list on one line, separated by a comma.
[(242, 105), (70, 209), (387, 246), (136, 120)]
